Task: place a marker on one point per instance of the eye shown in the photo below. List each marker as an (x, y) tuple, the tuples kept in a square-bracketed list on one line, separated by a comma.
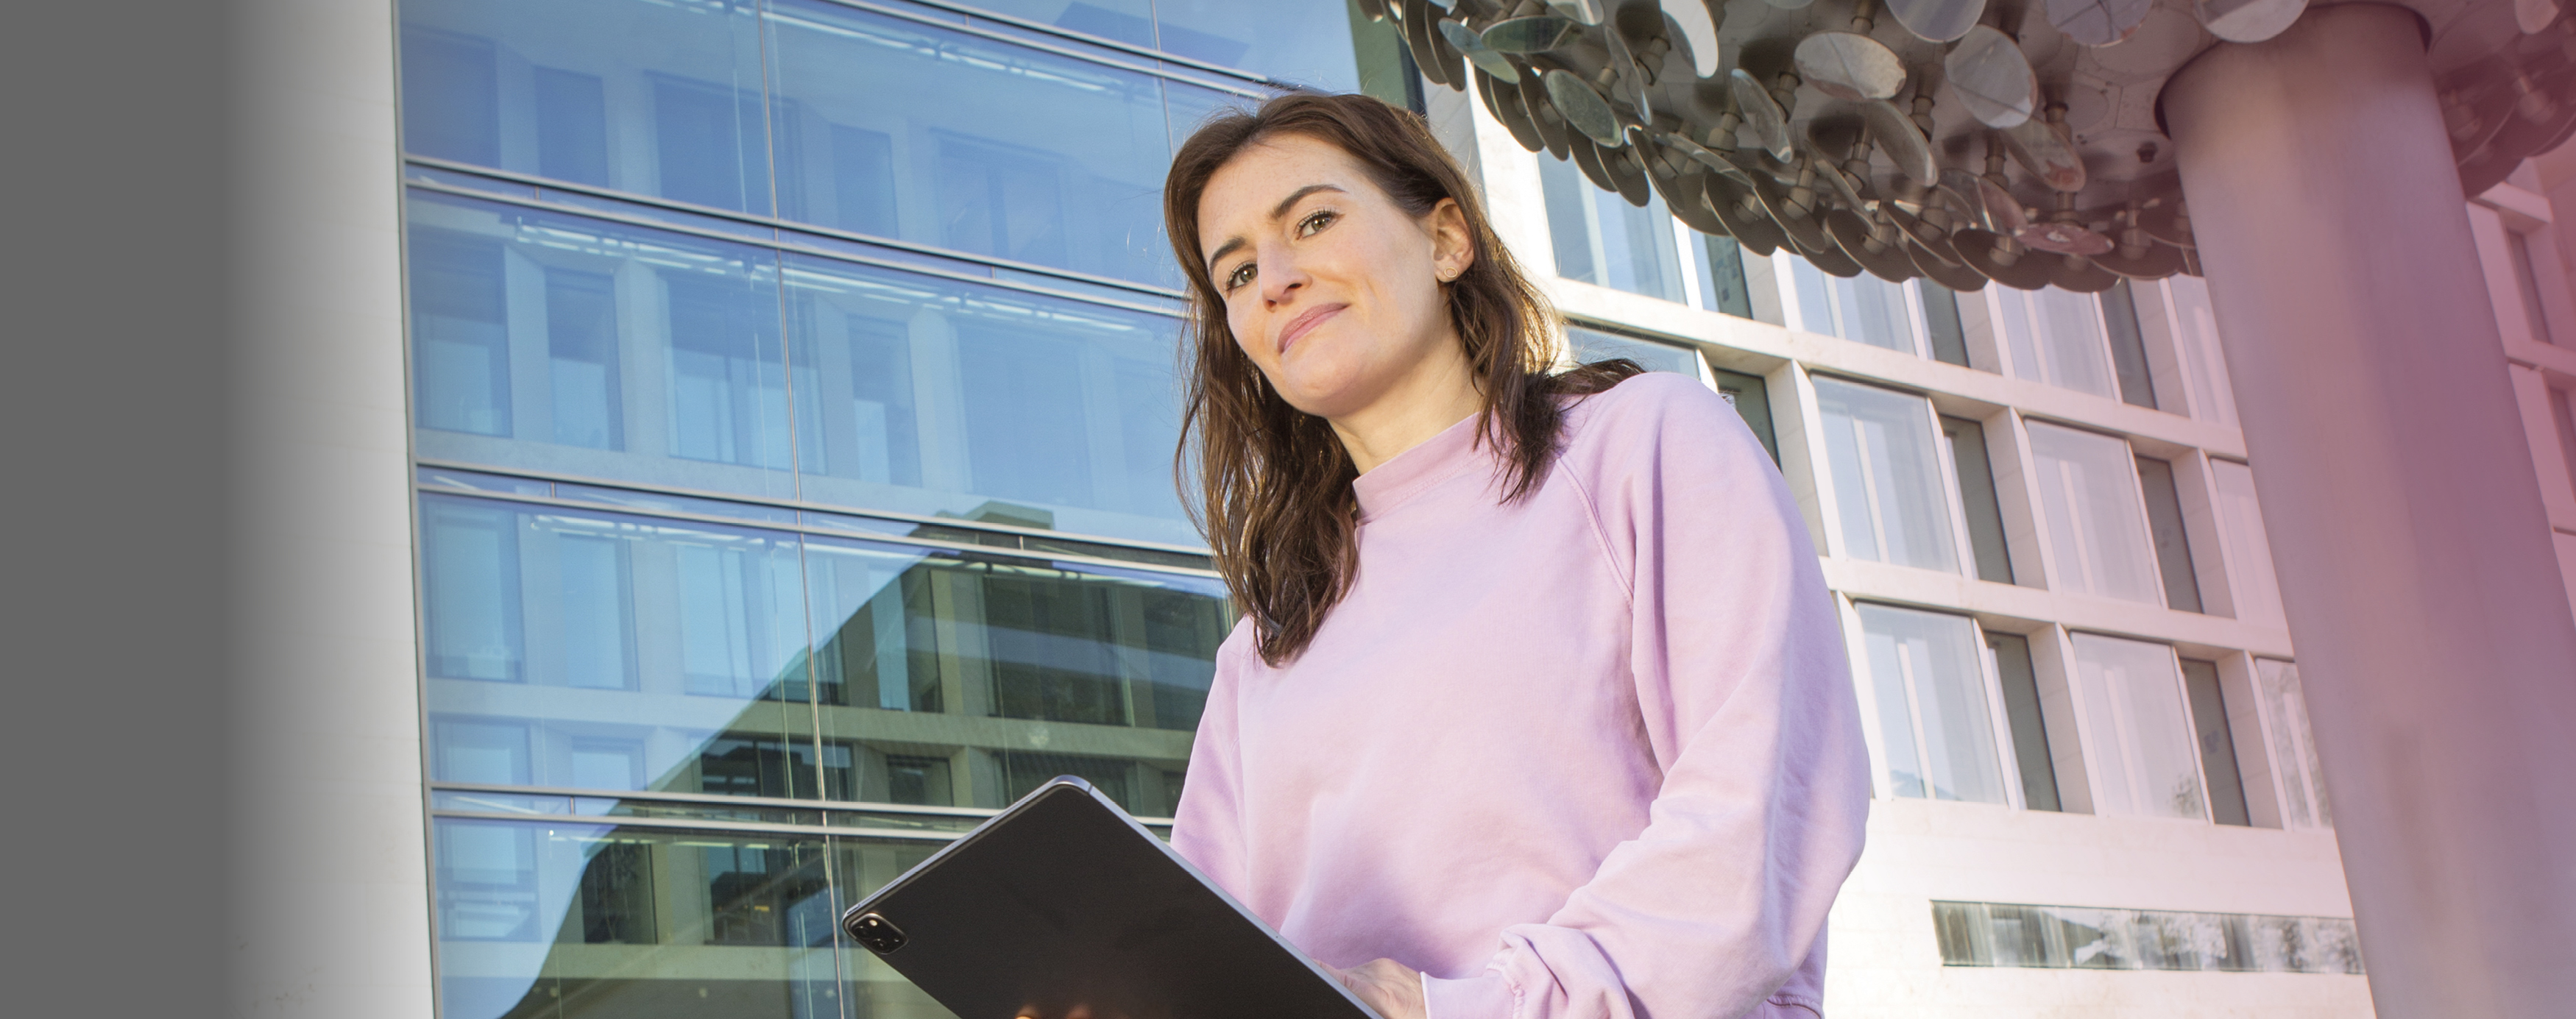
[(1241, 275), (1308, 226)]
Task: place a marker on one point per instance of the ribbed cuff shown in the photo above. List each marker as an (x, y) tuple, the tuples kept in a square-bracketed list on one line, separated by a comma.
[(1483, 996)]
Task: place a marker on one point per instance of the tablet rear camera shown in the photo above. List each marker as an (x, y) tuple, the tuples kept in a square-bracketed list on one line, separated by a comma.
[(879, 934)]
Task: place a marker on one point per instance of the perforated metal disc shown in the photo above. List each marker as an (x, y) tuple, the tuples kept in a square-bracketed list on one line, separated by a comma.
[(1849, 66), (1830, 259), (2152, 262), (1587, 157), (1878, 248), (1470, 45), (1628, 172), (1904, 144), (1503, 100), (2098, 22), (1992, 78), (1937, 20), (1537, 34), (2045, 150), (2079, 274), (2063, 238), (1762, 114), (2003, 260), (1735, 205), (1551, 125), (1956, 275), (2247, 20), (1584, 109), (1417, 40)]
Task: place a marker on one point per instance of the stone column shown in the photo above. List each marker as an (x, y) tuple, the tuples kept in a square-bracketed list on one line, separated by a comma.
[(2406, 524)]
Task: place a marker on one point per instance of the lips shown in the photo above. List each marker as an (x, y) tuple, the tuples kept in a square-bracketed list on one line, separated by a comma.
[(1306, 323)]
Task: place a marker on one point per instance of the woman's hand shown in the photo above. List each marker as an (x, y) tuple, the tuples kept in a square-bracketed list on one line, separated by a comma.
[(1388, 987)]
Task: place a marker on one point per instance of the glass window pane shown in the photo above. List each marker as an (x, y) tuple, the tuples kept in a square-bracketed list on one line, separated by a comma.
[(596, 650), (2249, 552), (2088, 491), (932, 396), (1890, 503), (2294, 748), (1930, 695), (1977, 494), (2217, 743), (589, 919), (2009, 654), (1594, 345), (1570, 228), (2172, 542), (564, 344), (1751, 398), (1637, 249), (999, 150), (1720, 264), (2055, 336), (1303, 42), (2141, 746), (1066, 669), (667, 104), (2204, 363), (2128, 347), (1947, 335)]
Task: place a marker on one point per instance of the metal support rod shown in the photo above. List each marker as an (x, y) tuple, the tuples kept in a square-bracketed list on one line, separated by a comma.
[(2433, 631)]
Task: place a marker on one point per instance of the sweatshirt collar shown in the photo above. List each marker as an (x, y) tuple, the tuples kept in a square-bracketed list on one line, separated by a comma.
[(1415, 470)]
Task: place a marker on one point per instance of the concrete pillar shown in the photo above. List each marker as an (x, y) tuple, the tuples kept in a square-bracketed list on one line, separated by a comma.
[(2408, 530)]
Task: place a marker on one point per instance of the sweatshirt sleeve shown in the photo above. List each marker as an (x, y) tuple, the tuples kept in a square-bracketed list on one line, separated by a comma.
[(1207, 825), (1744, 688)]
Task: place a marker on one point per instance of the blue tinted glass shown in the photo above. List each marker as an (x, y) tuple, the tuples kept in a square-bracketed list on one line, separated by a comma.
[(548, 918), (1305, 42), (660, 97), (1068, 669), (932, 396), (602, 651), (998, 149), (572, 346), (1593, 345)]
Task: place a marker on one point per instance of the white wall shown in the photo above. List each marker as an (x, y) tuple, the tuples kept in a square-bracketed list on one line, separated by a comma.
[(333, 875)]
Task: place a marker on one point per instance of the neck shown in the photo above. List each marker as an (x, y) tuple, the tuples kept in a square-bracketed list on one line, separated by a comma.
[(1442, 394)]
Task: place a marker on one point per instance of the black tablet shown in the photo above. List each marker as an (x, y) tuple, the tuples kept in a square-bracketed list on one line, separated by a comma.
[(1063, 900)]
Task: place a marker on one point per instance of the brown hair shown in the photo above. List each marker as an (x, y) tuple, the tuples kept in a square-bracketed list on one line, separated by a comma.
[(1274, 483)]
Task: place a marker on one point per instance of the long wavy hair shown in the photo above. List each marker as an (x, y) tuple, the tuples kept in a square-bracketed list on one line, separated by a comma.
[(1273, 485)]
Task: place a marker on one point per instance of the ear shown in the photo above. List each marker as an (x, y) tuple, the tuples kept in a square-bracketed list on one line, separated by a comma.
[(1453, 246)]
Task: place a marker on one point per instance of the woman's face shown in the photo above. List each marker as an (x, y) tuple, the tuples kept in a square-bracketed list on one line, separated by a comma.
[(1331, 288)]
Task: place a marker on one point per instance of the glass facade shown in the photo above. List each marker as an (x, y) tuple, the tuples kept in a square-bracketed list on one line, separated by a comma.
[(2066, 937), (793, 402)]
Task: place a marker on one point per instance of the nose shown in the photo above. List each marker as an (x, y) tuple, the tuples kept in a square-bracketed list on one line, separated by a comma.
[(1280, 276)]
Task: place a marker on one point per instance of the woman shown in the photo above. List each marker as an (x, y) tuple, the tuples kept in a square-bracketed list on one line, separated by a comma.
[(1538, 707)]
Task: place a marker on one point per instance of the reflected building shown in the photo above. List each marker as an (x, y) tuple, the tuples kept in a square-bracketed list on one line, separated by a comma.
[(791, 424)]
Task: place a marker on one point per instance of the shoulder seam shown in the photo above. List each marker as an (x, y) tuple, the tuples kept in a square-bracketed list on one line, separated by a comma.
[(1600, 535)]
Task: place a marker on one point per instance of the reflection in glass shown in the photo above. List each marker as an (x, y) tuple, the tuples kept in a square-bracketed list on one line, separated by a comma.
[(2060, 937), (2138, 730), (2094, 517), (2255, 590), (1930, 696), (2055, 336), (1603, 240), (1890, 503), (999, 150), (1594, 345), (565, 344), (1303, 42), (1106, 669), (2204, 364), (926, 395), (1863, 309), (565, 920), (667, 104), (2294, 749), (1719, 264), (600, 651)]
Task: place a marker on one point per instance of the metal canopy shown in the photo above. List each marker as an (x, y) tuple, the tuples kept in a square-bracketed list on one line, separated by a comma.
[(2037, 113)]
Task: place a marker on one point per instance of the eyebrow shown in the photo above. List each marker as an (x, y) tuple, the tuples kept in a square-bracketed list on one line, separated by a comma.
[(1276, 212)]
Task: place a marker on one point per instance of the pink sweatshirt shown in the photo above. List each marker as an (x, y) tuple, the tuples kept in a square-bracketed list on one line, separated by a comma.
[(1595, 753)]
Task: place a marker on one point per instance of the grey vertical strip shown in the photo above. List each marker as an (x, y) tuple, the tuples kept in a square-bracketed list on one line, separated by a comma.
[(1977, 498), (2128, 347), (1941, 319), (2022, 712), (2217, 743), (2173, 546)]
